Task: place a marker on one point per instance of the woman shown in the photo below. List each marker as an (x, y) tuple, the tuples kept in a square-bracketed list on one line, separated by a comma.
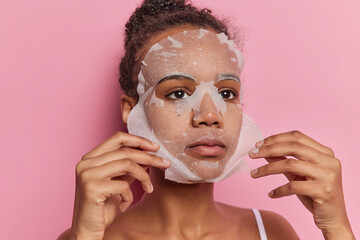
[(171, 210)]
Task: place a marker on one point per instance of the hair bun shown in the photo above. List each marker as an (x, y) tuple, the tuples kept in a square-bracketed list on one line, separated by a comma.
[(153, 7)]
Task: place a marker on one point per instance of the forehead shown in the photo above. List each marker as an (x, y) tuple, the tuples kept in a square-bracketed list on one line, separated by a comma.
[(198, 52)]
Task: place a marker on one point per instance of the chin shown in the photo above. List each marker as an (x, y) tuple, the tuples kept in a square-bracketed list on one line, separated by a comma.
[(207, 170)]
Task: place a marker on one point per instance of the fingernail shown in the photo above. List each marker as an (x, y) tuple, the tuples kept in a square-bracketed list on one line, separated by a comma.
[(123, 208), (155, 144), (271, 193), (166, 161), (259, 144), (151, 188), (253, 172), (254, 151)]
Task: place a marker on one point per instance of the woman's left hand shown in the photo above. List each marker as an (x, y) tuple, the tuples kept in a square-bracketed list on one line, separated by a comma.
[(314, 175)]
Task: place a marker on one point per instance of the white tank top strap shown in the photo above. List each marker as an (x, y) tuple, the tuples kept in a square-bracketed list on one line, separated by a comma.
[(260, 224)]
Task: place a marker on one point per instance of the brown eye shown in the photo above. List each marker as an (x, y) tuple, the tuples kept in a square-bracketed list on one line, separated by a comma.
[(227, 94), (178, 94)]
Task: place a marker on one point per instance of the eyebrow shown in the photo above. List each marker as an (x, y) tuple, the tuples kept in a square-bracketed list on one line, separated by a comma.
[(228, 77), (173, 76)]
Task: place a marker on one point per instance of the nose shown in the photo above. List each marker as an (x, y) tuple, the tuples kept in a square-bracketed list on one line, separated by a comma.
[(207, 114)]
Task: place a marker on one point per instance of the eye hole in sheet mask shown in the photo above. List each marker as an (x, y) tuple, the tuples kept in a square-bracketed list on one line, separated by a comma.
[(181, 88), (190, 103)]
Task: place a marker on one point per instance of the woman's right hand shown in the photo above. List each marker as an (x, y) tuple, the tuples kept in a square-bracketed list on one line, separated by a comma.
[(103, 179)]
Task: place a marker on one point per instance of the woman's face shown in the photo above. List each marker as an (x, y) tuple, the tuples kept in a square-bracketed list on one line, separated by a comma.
[(193, 105)]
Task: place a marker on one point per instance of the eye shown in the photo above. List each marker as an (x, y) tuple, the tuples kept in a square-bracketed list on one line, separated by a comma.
[(178, 94), (228, 94)]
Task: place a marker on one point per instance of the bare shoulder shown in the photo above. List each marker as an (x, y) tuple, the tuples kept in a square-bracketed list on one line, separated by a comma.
[(243, 220), (65, 235), (111, 233), (276, 226)]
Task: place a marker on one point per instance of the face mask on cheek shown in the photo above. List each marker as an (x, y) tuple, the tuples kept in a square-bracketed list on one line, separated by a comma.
[(204, 133)]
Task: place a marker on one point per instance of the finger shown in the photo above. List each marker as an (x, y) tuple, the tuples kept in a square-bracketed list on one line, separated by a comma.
[(290, 165), (295, 149), (124, 205), (138, 156), (119, 168), (306, 188), (289, 176), (119, 140), (296, 136), (274, 159), (128, 178), (125, 196), (102, 190)]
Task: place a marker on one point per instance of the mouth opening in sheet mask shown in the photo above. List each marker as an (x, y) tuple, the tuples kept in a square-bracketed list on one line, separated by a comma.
[(190, 103)]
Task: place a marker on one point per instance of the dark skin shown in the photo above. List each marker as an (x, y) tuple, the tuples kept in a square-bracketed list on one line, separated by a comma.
[(169, 210)]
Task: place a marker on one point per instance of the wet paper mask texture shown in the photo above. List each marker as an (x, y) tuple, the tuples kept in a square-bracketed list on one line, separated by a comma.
[(190, 97)]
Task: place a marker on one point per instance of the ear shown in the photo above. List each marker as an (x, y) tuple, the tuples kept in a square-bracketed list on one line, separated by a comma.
[(127, 103)]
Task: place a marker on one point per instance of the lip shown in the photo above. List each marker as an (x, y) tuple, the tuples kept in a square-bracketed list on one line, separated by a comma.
[(206, 147)]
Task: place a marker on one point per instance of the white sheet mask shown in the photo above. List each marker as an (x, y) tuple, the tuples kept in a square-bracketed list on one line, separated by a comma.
[(200, 66)]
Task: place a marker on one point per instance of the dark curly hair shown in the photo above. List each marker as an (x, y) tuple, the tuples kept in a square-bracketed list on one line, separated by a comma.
[(152, 17)]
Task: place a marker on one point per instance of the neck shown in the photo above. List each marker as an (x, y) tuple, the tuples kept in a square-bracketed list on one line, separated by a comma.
[(177, 206)]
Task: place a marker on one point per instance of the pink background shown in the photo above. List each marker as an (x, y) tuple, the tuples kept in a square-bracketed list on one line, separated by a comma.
[(60, 98)]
